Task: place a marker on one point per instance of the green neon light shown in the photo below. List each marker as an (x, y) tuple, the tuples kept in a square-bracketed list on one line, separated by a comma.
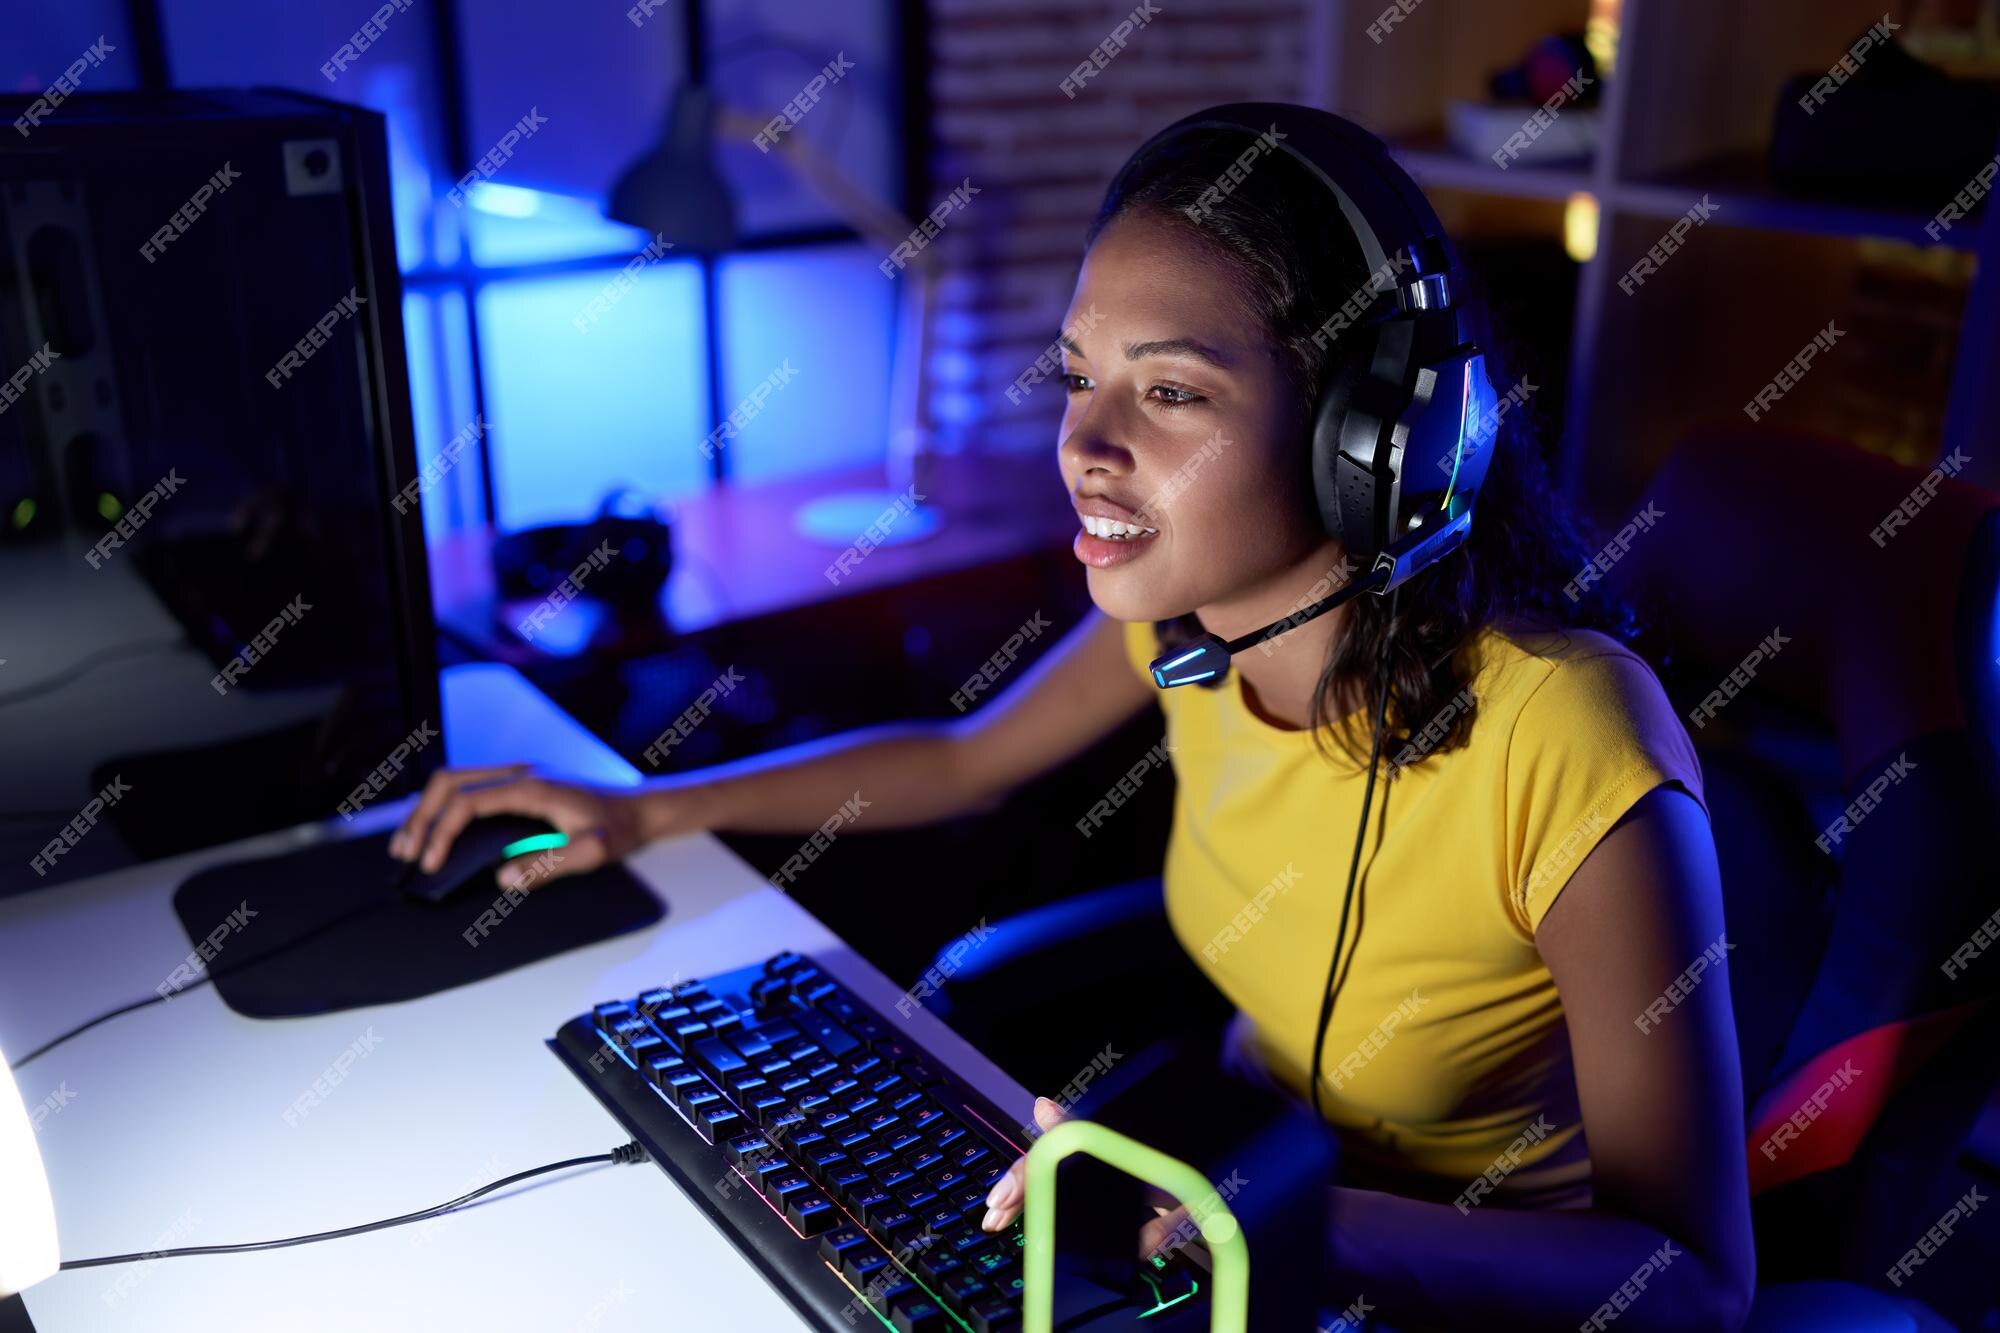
[(1228, 1303), (1193, 1287), (1458, 453), (865, 1303), (534, 843), (909, 1272), (1452, 485)]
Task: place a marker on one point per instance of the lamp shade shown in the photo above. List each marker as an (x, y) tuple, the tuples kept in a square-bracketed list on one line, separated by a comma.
[(27, 1213), (675, 189)]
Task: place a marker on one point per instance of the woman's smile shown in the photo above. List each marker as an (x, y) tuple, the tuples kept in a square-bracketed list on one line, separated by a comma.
[(1110, 533), (1104, 552)]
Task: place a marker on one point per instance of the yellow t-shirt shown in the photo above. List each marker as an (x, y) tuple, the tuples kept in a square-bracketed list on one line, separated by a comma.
[(1447, 1053)]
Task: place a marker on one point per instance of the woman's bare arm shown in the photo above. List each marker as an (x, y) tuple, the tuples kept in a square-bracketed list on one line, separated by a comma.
[(1079, 691), (1667, 1242), (914, 773)]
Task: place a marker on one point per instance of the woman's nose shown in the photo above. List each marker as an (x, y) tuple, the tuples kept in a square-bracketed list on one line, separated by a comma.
[(1092, 446)]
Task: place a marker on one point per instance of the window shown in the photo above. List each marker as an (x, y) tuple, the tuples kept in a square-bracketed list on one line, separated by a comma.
[(497, 275)]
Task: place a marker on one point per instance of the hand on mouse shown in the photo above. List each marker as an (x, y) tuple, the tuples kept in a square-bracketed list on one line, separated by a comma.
[(603, 826)]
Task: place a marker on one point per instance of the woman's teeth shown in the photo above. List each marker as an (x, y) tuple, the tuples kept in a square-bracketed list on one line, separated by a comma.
[(1111, 530)]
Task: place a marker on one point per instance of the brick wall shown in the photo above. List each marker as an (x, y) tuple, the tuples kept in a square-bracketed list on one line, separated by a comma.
[(1041, 160)]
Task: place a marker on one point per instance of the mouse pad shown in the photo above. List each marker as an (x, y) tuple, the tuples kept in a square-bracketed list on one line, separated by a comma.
[(322, 929)]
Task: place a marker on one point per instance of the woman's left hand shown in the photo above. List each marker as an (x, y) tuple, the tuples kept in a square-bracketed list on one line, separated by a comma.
[(1169, 1232), (1004, 1200)]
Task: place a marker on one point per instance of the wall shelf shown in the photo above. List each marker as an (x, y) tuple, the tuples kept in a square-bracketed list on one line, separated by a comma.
[(1437, 165), (1745, 197), (1688, 111)]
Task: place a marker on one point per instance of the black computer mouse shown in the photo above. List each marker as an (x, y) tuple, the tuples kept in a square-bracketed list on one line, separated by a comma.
[(476, 853)]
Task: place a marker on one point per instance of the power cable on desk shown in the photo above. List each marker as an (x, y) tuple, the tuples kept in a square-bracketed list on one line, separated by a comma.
[(69, 674), (207, 976), (624, 1155)]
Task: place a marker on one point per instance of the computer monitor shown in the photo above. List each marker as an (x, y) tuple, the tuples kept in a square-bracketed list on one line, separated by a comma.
[(215, 614)]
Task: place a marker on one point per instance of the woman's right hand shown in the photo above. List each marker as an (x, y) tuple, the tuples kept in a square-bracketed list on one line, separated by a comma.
[(603, 825)]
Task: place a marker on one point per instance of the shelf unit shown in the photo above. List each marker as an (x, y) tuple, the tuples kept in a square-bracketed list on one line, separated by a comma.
[(1686, 113)]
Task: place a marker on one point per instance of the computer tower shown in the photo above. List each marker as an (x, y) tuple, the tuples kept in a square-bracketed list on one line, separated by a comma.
[(209, 592)]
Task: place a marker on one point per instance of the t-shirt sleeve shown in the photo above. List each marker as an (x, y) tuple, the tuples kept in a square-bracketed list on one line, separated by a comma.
[(1593, 738)]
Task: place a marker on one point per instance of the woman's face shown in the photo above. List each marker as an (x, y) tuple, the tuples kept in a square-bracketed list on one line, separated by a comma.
[(1180, 427)]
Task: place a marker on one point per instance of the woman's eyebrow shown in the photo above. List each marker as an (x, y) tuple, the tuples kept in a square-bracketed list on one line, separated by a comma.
[(1178, 347), (1161, 347)]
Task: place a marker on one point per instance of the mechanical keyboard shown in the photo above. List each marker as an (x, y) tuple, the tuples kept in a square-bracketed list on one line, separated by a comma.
[(849, 1166)]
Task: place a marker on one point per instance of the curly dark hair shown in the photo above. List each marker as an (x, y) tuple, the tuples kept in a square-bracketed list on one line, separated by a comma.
[(1297, 265)]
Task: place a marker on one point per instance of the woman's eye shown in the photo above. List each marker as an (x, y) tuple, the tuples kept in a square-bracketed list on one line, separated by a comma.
[(1166, 395)]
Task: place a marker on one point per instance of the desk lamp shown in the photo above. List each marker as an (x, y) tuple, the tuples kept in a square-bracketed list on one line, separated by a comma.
[(27, 1213)]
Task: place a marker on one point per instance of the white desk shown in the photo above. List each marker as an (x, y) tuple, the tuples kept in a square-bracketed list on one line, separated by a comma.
[(173, 1133)]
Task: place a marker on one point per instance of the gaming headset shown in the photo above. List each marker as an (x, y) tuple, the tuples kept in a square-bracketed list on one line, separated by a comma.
[(1403, 432)]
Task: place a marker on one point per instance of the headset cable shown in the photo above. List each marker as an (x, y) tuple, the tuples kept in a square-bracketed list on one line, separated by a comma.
[(1353, 870)]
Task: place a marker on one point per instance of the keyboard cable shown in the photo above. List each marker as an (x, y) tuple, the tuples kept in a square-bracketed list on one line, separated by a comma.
[(624, 1155)]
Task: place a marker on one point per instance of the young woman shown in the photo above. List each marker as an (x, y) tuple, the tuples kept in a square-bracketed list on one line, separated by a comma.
[(1517, 1144)]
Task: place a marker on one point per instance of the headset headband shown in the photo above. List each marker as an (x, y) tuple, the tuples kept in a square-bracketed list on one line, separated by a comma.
[(1382, 206)]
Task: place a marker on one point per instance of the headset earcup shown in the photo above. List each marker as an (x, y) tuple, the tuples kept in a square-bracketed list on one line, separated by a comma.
[(1344, 492)]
